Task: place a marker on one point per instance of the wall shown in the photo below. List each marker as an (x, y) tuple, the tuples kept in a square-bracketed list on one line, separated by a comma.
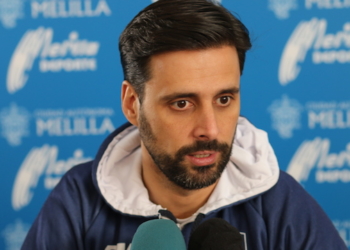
[(60, 79)]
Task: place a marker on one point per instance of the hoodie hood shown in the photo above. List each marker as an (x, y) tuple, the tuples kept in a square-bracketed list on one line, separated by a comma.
[(252, 170)]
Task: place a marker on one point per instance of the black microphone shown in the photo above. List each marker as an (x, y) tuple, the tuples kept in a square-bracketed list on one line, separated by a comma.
[(159, 234), (216, 234)]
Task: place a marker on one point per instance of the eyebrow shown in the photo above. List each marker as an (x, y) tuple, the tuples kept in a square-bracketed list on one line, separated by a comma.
[(173, 96)]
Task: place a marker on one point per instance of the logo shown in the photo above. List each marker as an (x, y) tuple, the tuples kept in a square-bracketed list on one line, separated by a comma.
[(10, 11), (331, 4), (281, 8), (15, 234), (15, 124), (285, 115), (343, 228), (327, 48), (38, 162), (68, 8), (70, 55), (329, 167)]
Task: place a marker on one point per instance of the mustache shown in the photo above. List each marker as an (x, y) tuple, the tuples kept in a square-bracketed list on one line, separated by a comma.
[(213, 145)]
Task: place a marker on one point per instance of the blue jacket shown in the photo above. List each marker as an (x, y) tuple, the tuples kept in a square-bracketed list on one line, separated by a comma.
[(100, 204)]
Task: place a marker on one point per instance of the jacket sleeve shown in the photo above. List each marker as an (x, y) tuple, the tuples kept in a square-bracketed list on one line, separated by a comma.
[(62, 219), (296, 221)]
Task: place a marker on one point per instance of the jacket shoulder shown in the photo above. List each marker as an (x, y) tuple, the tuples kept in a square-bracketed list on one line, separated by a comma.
[(67, 213), (291, 214)]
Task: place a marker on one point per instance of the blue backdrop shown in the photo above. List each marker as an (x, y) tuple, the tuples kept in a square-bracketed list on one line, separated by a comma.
[(60, 79)]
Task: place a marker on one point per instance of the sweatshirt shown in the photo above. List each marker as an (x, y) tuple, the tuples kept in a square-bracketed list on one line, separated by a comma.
[(101, 203)]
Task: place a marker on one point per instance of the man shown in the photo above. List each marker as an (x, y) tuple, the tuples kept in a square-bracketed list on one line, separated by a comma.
[(185, 150)]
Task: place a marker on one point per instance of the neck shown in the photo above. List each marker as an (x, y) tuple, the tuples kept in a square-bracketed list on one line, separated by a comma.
[(181, 202)]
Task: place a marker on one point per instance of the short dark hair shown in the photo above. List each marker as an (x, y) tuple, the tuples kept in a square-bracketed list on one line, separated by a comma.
[(174, 25)]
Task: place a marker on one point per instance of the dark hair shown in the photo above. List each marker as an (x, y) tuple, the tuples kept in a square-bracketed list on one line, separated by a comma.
[(174, 25)]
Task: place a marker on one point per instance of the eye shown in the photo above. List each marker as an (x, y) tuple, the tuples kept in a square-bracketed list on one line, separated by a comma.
[(224, 100), (181, 105)]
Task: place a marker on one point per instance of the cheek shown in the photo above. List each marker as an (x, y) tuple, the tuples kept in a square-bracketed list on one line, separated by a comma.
[(172, 132), (228, 123)]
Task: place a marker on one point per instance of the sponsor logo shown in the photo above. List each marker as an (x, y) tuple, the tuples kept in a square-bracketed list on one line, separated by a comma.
[(328, 4), (327, 48), (281, 8), (315, 154), (10, 11), (42, 161), (68, 8), (74, 122), (343, 228), (14, 234), (73, 54), (285, 115), (14, 124)]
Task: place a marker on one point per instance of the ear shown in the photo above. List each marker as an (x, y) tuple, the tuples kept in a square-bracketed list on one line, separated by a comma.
[(130, 103)]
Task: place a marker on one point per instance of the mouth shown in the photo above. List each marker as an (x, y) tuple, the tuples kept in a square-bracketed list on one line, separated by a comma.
[(202, 158)]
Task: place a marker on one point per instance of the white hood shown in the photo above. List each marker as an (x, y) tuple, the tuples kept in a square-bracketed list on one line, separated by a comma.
[(252, 169)]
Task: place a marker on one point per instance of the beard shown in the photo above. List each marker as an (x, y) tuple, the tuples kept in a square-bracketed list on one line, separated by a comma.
[(174, 168)]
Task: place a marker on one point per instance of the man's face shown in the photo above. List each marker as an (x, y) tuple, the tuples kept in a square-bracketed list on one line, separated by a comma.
[(189, 114)]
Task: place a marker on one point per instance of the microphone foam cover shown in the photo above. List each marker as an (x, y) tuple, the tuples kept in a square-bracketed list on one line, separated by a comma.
[(216, 234), (158, 234)]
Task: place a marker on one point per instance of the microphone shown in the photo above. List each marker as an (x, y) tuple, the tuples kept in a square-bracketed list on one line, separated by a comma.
[(215, 234), (158, 234)]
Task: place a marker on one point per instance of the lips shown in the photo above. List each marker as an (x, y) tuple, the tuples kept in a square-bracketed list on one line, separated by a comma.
[(202, 158)]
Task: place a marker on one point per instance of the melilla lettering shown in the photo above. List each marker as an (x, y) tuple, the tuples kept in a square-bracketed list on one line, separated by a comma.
[(327, 4), (64, 126), (68, 8), (329, 119)]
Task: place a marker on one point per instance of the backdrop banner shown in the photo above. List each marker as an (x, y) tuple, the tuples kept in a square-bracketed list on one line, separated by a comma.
[(60, 80)]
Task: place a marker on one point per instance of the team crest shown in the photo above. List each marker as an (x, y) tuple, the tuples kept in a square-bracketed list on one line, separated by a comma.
[(15, 234), (281, 8), (10, 11), (285, 114), (14, 123)]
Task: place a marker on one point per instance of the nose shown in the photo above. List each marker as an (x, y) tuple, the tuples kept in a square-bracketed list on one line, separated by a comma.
[(206, 124)]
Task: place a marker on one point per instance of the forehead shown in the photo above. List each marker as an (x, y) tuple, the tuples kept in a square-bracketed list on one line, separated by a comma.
[(194, 70)]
